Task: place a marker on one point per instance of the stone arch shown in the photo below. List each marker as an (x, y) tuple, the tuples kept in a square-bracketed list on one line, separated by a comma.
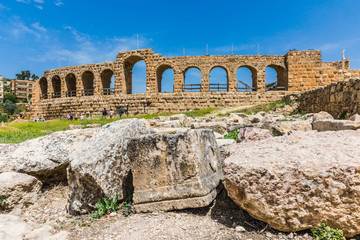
[(56, 86), (218, 85), (159, 75), (88, 81), (43, 88), (107, 75), (70, 82), (244, 85), (281, 79), (192, 87), (129, 63)]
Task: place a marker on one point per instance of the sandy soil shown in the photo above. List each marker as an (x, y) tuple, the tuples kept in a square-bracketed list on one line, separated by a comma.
[(221, 220)]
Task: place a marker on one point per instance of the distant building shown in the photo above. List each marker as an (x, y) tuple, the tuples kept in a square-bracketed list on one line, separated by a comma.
[(22, 88), (1, 91), (2, 78)]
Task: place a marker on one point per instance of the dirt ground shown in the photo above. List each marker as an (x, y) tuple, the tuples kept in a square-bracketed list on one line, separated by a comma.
[(221, 220)]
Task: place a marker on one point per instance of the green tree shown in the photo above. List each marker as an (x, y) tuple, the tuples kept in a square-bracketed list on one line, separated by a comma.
[(10, 107), (7, 88), (12, 98), (24, 75), (34, 77)]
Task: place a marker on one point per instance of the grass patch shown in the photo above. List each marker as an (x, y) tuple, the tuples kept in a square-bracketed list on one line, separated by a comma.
[(262, 107), (200, 112), (17, 132)]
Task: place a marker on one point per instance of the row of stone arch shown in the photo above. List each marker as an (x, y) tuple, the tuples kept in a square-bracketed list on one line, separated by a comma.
[(71, 83), (86, 83)]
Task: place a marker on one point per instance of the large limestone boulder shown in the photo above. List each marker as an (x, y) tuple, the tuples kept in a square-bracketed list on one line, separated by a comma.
[(14, 228), (170, 124), (46, 157), (223, 145), (297, 181), (234, 118), (18, 190), (219, 127), (284, 127), (335, 125), (102, 166), (174, 171), (251, 134), (322, 116)]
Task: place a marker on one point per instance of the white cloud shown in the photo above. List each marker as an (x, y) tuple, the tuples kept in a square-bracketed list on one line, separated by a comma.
[(15, 29), (38, 27), (59, 3), (24, 1), (85, 49), (37, 3), (80, 37), (2, 6)]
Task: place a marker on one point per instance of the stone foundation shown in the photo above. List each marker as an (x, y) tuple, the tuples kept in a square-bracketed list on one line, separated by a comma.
[(153, 103)]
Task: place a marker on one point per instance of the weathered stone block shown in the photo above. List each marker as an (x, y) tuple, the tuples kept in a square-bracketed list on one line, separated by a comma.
[(102, 166), (174, 171)]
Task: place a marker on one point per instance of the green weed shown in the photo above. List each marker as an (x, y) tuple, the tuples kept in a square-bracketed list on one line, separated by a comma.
[(232, 135), (327, 233), (107, 206)]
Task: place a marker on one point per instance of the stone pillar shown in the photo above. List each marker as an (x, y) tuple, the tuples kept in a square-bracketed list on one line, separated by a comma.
[(97, 84), (63, 87), (79, 85), (179, 79), (205, 80), (232, 80), (151, 80), (261, 80), (50, 88)]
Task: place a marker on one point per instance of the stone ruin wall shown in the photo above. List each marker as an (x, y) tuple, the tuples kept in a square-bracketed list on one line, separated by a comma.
[(339, 98), (296, 71)]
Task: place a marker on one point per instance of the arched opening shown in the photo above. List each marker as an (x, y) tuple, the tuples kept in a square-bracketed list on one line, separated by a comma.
[(218, 80), (192, 80), (88, 84), (246, 78), (56, 84), (135, 75), (70, 81), (107, 82), (43, 88), (275, 78), (165, 78)]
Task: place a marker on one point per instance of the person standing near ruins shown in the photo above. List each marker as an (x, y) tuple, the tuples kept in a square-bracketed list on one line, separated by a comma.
[(111, 113), (104, 113), (121, 111)]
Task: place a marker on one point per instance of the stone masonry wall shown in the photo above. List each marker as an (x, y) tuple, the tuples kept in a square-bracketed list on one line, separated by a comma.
[(339, 98), (153, 103), (89, 84)]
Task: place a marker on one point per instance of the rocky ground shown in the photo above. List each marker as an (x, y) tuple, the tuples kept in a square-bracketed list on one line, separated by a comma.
[(221, 220), (280, 159)]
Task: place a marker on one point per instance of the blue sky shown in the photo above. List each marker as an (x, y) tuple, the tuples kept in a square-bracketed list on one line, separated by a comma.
[(42, 34)]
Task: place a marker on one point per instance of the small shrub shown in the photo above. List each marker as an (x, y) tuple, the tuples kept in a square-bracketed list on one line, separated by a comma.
[(3, 117), (10, 107), (232, 135), (108, 206), (18, 110), (325, 233), (2, 203)]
